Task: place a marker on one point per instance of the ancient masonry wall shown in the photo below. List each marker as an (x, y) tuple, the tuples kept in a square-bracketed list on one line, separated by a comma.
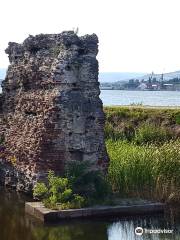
[(51, 108)]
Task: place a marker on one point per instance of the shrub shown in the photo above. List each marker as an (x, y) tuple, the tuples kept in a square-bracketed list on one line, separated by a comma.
[(123, 132), (87, 181), (150, 133), (177, 118), (40, 190), (109, 130), (57, 194)]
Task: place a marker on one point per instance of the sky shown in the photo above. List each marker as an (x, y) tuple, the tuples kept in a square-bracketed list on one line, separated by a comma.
[(134, 35)]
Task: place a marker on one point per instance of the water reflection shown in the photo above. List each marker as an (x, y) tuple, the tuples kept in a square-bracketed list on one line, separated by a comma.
[(15, 225), (126, 229), (77, 231)]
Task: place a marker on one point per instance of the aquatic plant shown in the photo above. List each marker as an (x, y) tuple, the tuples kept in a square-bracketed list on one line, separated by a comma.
[(148, 170)]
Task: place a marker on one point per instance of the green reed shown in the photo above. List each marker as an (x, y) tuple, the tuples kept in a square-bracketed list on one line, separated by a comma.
[(145, 170)]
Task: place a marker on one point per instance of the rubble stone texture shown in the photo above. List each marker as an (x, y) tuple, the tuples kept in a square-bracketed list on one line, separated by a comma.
[(51, 106)]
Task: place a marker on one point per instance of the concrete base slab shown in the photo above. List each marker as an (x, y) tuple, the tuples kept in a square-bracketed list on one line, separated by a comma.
[(38, 210)]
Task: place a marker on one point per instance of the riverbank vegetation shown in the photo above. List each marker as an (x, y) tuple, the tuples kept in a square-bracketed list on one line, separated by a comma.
[(126, 122), (143, 146), (57, 193), (81, 186)]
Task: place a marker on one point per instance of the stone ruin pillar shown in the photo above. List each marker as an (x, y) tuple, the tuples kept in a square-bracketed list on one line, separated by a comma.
[(51, 106)]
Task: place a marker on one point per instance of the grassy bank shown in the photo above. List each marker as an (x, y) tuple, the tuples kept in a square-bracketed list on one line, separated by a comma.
[(143, 145), (124, 122)]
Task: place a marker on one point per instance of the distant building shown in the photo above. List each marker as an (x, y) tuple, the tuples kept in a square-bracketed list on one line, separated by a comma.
[(142, 86), (177, 86), (155, 87), (168, 86)]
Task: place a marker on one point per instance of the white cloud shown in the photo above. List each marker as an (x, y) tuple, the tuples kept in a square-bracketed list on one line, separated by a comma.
[(134, 35)]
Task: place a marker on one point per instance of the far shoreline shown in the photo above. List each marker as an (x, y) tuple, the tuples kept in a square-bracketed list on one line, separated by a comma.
[(143, 106)]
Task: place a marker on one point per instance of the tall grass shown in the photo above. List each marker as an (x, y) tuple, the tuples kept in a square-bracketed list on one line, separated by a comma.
[(123, 131), (150, 133), (145, 133), (144, 151), (145, 170)]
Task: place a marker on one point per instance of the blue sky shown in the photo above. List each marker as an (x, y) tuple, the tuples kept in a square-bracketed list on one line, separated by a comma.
[(134, 35)]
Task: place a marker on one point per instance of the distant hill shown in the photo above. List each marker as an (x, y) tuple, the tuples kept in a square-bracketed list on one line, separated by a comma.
[(118, 76), (103, 76), (166, 76), (110, 77)]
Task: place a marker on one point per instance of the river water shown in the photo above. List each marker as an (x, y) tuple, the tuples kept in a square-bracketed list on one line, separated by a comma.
[(150, 98), (16, 225)]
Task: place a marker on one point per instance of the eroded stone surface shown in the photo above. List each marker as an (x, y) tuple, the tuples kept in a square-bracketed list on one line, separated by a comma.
[(51, 106)]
